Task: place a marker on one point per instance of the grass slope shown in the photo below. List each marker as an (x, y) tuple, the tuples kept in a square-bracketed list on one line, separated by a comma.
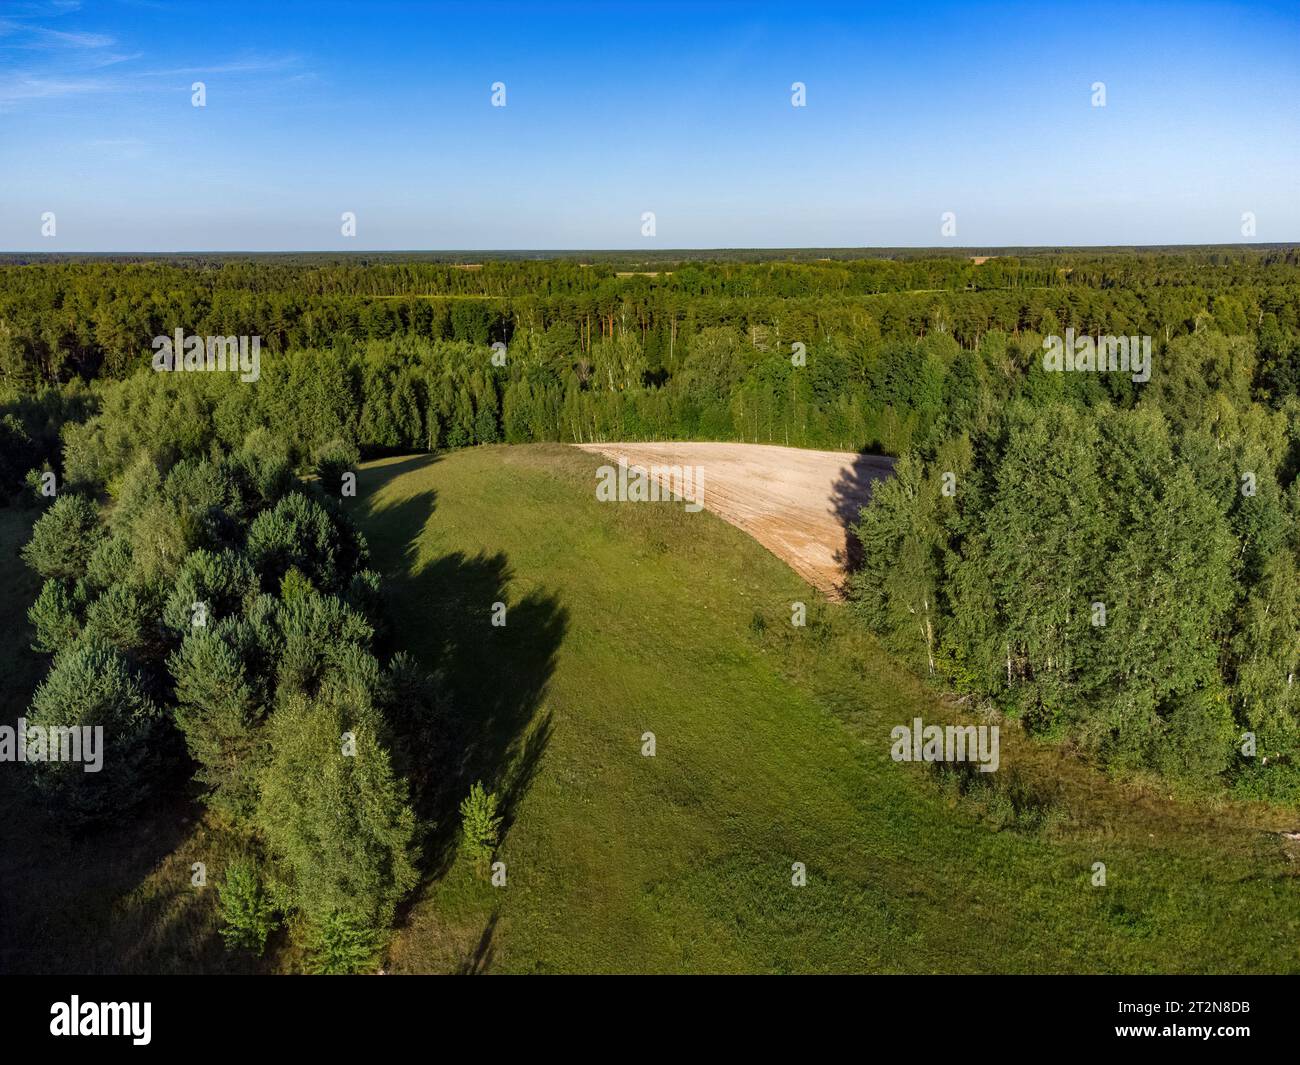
[(772, 748)]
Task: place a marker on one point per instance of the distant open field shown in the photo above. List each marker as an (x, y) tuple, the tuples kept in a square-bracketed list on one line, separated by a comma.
[(797, 503)]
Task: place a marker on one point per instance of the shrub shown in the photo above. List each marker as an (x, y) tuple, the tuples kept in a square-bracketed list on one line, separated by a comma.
[(333, 460), (1198, 739), (223, 582), (33, 491), (247, 914), (201, 485), (479, 826), (485, 427), (111, 562), (268, 471), (315, 630), (341, 943), (160, 539), (294, 586), (135, 491), (365, 595), (85, 457), (125, 618), (299, 532)]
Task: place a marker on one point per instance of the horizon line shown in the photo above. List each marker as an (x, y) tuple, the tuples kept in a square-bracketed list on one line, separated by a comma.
[(976, 249)]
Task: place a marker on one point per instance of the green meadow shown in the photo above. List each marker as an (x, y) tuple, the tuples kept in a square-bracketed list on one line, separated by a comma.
[(771, 748)]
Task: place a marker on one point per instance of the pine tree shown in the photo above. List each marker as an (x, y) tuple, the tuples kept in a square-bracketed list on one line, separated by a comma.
[(247, 914), (92, 685), (480, 826), (64, 537)]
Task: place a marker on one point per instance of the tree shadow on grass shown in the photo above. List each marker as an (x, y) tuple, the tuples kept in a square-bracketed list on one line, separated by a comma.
[(492, 679), (850, 493), (83, 902), (492, 683), (481, 958)]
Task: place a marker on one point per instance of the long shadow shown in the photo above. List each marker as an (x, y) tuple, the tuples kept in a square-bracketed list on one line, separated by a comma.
[(479, 961), (66, 899), (378, 476), (850, 493), (491, 679)]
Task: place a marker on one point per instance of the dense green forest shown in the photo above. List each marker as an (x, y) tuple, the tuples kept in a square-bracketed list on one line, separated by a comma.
[(393, 355), (1114, 562)]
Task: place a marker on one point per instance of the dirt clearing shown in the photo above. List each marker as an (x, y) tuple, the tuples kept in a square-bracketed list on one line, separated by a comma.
[(796, 503)]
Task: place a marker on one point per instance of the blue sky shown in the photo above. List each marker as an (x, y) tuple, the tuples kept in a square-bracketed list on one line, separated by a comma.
[(683, 109)]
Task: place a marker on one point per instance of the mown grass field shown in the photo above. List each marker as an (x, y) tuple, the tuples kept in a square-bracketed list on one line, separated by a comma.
[(772, 748)]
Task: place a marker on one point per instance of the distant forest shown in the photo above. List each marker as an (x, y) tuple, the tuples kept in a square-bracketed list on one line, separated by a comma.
[(393, 355)]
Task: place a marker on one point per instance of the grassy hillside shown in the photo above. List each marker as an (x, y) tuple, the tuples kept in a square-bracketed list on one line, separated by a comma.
[(772, 748)]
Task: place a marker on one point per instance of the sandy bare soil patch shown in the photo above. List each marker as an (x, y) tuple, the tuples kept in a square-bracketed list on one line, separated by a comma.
[(796, 503)]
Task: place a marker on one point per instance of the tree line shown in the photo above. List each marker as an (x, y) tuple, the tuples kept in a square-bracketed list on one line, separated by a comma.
[(350, 352), (216, 612), (1120, 572)]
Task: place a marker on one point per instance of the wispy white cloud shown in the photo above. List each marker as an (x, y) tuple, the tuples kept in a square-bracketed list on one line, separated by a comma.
[(55, 38), (41, 8), (112, 59), (17, 87), (59, 63), (252, 64), (20, 35)]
